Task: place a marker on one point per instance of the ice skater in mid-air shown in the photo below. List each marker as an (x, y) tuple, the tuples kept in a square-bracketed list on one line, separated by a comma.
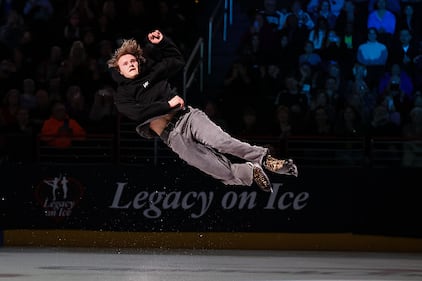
[(145, 95)]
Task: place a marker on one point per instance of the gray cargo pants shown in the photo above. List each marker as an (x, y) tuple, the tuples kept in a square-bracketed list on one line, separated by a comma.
[(203, 144)]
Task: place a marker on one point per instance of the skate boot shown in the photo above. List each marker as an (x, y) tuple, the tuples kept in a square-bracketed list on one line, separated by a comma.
[(283, 167), (261, 179)]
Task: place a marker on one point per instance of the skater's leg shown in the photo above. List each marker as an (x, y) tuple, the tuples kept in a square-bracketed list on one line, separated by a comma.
[(207, 132), (210, 134), (210, 161)]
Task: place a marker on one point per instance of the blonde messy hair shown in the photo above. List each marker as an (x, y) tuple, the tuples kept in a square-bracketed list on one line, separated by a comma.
[(129, 46)]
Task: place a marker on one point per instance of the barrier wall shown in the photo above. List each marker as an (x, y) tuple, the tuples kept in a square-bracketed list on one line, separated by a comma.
[(174, 199)]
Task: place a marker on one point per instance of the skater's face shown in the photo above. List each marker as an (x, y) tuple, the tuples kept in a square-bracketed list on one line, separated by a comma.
[(128, 66)]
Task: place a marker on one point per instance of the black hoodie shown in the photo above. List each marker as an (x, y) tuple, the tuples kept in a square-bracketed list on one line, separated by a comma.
[(146, 96)]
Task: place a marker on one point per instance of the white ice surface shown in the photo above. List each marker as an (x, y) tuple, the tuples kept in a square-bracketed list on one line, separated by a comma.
[(63, 264)]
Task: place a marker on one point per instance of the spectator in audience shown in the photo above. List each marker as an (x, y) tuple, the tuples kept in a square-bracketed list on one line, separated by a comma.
[(373, 55), (12, 31), (322, 99), (5, 8), (392, 5), (28, 99), (417, 62), (306, 80), (334, 7), (76, 106), (78, 61), (9, 108), (105, 51), (55, 88), (8, 75), (90, 41), (269, 85), (282, 127), (72, 30), (349, 123), (359, 94), (237, 90), (37, 14), (249, 123), (310, 56), (384, 21), (86, 11), (412, 128), (23, 124), (347, 15), (48, 68), (250, 48), (396, 102), (319, 123), (296, 34), (403, 51), (102, 115), (136, 16), (59, 130), (171, 19), (238, 79), (417, 101), (304, 19), (109, 9), (410, 21), (23, 64), (286, 57), (396, 80), (272, 14), (21, 138), (331, 88), (264, 37), (417, 4), (105, 27), (42, 109), (361, 9), (212, 109), (318, 34), (332, 52), (292, 97), (38, 10), (349, 23), (384, 122), (335, 71), (324, 10)]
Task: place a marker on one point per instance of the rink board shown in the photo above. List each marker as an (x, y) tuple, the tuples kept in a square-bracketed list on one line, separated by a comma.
[(212, 240)]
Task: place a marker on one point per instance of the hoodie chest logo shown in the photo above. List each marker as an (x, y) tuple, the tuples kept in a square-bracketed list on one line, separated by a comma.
[(145, 84)]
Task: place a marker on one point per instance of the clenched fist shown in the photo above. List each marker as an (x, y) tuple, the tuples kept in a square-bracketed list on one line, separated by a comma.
[(155, 37)]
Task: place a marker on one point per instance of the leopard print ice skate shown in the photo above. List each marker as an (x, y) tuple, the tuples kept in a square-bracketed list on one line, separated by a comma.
[(261, 179), (283, 167)]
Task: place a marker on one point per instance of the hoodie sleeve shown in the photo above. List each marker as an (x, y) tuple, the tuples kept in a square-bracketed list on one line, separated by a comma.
[(168, 60)]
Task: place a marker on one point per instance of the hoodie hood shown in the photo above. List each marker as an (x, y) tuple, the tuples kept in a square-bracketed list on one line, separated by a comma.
[(118, 78)]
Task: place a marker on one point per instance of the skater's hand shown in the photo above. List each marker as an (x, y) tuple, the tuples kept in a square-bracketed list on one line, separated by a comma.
[(155, 37), (177, 101)]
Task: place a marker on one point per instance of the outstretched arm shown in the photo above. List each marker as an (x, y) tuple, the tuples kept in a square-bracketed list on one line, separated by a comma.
[(171, 60)]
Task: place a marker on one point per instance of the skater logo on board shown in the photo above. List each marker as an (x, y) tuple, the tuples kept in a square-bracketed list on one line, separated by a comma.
[(58, 196)]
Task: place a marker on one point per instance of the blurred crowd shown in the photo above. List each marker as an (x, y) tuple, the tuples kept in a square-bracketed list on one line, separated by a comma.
[(316, 67), (54, 81), (326, 68)]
